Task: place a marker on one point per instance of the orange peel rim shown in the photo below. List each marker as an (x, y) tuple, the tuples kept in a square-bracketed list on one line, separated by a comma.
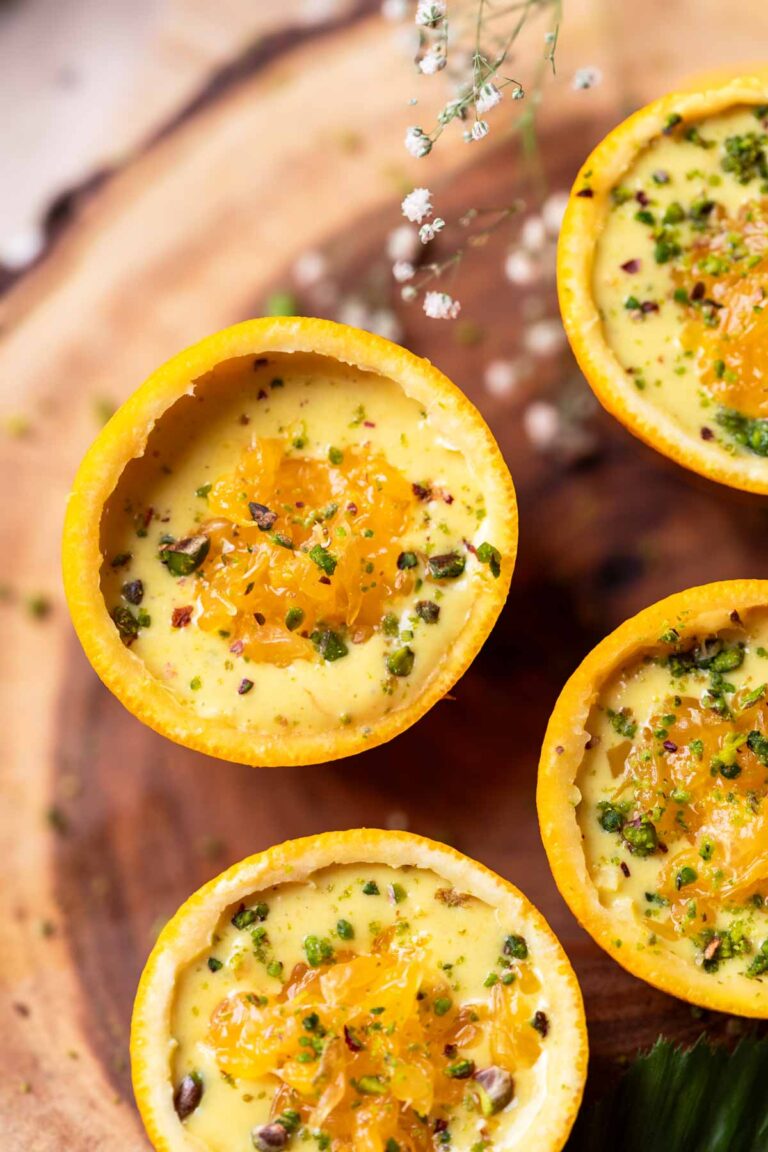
[(124, 437), (187, 934)]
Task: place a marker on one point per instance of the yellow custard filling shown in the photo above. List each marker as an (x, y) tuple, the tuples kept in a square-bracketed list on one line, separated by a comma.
[(368, 1008), (681, 276), (674, 799), (299, 545)]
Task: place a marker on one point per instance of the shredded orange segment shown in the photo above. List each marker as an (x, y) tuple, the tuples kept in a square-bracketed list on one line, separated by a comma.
[(359, 1050), (727, 326), (702, 784), (298, 544)]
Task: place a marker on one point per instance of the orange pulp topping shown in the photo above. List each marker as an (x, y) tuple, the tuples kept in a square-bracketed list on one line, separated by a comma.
[(328, 555), (727, 325), (705, 788), (360, 1052)]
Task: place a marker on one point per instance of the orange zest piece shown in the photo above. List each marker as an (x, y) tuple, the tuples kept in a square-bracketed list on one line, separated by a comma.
[(299, 544)]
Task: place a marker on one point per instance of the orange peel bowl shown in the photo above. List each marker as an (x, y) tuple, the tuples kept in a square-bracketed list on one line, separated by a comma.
[(123, 441), (582, 227), (547, 1116), (679, 784)]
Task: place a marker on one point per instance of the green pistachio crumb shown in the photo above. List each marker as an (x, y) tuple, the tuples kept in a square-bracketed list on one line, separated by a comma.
[(294, 618), (400, 662)]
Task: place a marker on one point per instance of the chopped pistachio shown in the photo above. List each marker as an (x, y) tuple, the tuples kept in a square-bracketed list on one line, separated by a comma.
[(245, 917), (183, 557), (428, 611), (264, 518), (685, 876), (188, 1095), (448, 566), (318, 950), (372, 1085), (641, 837), (516, 947), (400, 662), (133, 591), (495, 1089), (126, 623), (329, 644), (487, 554), (324, 559), (460, 1069), (294, 618)]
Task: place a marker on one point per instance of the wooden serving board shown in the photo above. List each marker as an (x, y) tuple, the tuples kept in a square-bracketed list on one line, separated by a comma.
[(105, 827)]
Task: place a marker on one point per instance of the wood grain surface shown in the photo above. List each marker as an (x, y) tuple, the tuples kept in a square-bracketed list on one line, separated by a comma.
[(106, 827)]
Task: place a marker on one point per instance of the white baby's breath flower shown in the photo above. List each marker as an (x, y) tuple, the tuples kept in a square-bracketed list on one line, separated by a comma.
[(533, 234), (316, 11), (501, 377), (417, 142), (394, 10), (519, 268), (544, 337), (487, 97), (541, 423), (403, 270), (384, 323), (409, 293), (479, 129), (441, 306), (518, 93), (417, 205), (432, 61), (309, 269), (402, 243), (355, 313), (553, 210), (586, 78), (451, 110), (430, 13), (428, 232)]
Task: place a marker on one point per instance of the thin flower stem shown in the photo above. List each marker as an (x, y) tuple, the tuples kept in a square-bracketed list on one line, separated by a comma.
[(488, 54), (509, 9), (476, 57), (484, 33), (434, 271)]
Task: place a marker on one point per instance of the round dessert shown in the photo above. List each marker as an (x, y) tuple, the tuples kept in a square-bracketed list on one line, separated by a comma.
[(359, 991), (663, 277), (653, 795), (289, 543)]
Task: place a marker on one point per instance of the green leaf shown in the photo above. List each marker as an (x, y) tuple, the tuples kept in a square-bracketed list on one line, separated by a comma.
[(703, 1099)]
